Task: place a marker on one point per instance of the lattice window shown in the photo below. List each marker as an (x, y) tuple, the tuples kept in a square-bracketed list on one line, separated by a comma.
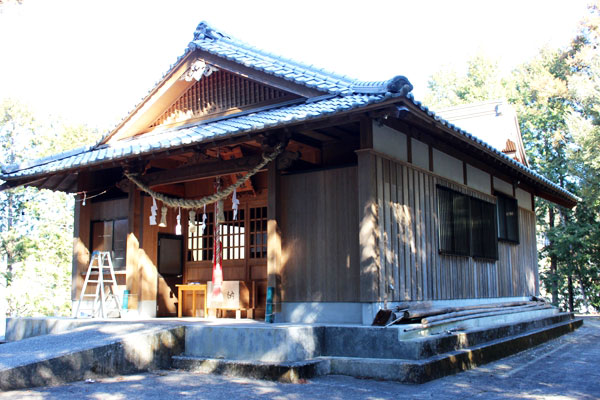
[(247, 233), (258, 232), (200, 247), (233, 236)]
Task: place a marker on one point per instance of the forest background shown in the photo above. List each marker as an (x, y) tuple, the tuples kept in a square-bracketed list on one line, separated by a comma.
[(557, 98)]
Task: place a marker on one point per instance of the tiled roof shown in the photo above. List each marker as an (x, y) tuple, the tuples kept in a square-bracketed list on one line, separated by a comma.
[(219, 44), (201, 132), (211, 41), (499, 154), (345, 94)]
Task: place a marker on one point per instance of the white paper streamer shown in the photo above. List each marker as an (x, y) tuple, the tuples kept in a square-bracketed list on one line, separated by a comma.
[(236, 203), (178, 226), (153, 211), (203, 224)]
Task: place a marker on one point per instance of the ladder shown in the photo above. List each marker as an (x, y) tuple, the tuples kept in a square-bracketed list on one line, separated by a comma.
[(100, 261)]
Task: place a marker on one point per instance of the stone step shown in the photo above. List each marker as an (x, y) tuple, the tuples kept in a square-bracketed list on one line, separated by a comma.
[(288, 372), (437, 366), (386, 343)]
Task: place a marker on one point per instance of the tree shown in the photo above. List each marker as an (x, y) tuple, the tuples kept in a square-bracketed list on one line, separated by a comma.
[(35, 244), (557, 98), (481, 81)]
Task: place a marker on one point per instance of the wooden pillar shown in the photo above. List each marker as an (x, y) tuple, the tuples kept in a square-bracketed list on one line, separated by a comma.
[(81, 240), (274, 235), (367, 214), (133, 245)]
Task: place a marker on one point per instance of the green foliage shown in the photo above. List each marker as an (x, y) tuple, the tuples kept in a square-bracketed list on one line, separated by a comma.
[(36, 226), (557, 98), (481, 82)]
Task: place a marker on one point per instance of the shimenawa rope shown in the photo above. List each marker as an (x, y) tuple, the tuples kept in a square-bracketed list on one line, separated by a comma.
[(197, 203)]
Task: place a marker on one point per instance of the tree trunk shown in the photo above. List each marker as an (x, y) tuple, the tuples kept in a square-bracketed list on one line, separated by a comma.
[(570, 285)]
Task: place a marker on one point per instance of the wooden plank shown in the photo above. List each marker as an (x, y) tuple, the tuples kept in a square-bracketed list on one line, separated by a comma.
[(407, 234), (380, 229), (395, 230), (367, 203), (411, 218), (387, 224), (421, 279), (424, 238)]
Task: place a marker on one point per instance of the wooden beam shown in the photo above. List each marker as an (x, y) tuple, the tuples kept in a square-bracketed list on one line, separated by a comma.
[(318, 135), (366, 133), (204, 170)]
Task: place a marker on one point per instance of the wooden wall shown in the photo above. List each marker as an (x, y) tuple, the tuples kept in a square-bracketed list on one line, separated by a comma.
[(319, 224), (84, 215), (407, 244)]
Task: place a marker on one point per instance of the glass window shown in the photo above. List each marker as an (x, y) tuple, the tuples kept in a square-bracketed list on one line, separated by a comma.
[(467, 225), (508, 218)]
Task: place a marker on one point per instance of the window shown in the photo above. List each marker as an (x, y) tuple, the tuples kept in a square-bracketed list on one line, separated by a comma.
[(233, 235), (111, 236), (200, 247), (239, 242), (484, 243), (467, 226), (508, 218), (258, 232), (453, 209)]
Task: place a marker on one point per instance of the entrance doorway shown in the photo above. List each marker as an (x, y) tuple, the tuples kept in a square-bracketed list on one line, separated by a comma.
[(170, 273)]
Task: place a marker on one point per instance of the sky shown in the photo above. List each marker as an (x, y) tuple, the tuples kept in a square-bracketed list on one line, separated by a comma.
[(91, 62)]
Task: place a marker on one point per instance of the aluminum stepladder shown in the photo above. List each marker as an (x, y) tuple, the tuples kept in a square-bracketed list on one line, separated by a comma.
[(100, 261)]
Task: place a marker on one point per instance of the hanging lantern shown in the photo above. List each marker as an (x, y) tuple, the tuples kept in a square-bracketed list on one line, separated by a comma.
[(192, 222), (163, 217), (153, 211), (178, 226)]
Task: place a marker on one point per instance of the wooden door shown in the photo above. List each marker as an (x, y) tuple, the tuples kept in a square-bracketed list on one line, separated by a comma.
[(170, 273)]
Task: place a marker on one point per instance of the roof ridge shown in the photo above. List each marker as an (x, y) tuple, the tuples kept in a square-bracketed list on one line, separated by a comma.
[(205, 31)]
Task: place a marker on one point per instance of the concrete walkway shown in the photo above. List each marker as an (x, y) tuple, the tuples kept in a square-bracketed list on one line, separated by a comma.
[(105, 349), (565, 368)]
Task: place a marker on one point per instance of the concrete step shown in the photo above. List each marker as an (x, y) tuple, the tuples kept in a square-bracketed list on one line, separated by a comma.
[(437, 366), (287, 372), (391, 343), (87, 352)]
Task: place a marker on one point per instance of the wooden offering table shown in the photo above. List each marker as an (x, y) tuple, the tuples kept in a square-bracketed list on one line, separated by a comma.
[(194, 289)]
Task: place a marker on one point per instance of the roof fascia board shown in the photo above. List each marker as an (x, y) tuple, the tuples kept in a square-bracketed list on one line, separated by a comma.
[(542, 190), (259, 76), (160, 98)]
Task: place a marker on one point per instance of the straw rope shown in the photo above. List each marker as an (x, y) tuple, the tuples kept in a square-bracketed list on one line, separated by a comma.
[(197, 203)]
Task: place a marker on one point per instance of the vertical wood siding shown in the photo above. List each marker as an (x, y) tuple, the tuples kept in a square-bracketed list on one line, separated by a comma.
[(219, 92), (411, 266), (319, 218)]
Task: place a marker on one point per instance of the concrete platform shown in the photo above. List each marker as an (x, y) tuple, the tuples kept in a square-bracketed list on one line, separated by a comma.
[(53, 351), (86, 352)]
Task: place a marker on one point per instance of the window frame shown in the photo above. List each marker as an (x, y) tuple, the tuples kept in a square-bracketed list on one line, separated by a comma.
[(121, 265), (459, 223), (502, 200)]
